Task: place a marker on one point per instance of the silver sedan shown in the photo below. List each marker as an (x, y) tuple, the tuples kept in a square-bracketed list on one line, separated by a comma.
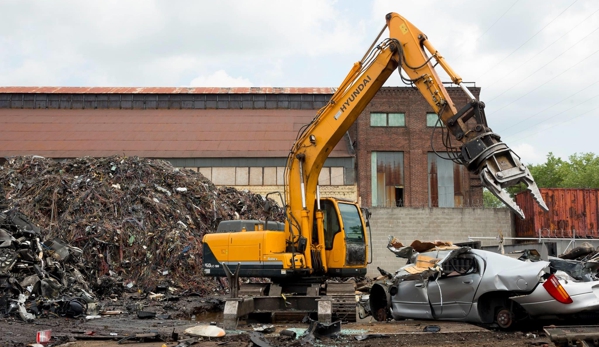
[(479, 287)]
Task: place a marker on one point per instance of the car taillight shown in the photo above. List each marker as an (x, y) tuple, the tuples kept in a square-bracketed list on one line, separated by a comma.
[(555, 289)]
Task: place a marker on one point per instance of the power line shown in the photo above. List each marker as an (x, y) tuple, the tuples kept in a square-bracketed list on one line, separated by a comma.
[(549, 62), (557, 114), (545, 109), (501, 108), (554, 125), (551, 44), (489, 28), (533, 36)]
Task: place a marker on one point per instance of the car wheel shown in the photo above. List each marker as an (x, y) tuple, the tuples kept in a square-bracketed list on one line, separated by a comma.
[(504, 318)]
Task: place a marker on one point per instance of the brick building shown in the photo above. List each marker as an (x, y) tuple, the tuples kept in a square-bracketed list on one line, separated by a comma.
[(396, 164), (241, 137)]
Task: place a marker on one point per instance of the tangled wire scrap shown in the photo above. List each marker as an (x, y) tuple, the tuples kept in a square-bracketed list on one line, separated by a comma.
[(137, 219)]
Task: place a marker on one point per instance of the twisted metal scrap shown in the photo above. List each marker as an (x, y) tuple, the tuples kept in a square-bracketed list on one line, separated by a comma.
[(141, 219)]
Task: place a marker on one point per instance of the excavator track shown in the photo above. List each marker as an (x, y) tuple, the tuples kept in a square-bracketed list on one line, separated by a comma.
[(344, 300), (292, 303)]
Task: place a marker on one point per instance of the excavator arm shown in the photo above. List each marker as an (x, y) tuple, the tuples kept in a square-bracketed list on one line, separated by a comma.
[(481, 150), (408, 49)]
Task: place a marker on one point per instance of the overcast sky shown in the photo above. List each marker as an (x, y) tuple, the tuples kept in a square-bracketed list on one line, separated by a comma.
[(537, 61)]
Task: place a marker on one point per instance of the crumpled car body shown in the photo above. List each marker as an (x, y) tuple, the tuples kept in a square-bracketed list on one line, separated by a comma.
[(479, 286), (585, 299)]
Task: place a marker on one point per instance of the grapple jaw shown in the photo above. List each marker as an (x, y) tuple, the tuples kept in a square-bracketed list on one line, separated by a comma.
[(502, 169), (484, 153)]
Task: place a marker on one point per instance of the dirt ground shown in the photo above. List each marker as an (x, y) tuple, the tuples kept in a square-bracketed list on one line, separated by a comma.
[(109, 330), (405, 333)]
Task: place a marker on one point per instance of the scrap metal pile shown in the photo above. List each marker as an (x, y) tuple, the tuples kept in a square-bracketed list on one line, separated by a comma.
[(44, 275), (96, 226), (581, 263)]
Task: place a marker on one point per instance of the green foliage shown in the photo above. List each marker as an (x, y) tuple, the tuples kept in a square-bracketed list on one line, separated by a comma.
[(551, 174), (490, 200), (584, 171), (579, 171)]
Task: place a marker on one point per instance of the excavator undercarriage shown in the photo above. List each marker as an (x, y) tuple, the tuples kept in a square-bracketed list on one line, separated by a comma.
[(289, 300)]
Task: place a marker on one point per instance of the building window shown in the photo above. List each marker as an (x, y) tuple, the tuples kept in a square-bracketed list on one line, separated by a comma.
[(447, 181), (387, 119), (432, 120), (387, 179)]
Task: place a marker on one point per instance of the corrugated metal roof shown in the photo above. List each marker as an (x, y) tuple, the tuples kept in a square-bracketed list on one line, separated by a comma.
[(63, 133), (167, 90)]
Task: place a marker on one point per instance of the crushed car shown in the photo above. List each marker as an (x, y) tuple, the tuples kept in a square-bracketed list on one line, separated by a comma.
[(448, 282)]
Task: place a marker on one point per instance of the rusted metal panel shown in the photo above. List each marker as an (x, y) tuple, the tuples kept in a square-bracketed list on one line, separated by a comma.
[(154, 133), (572, 212), (447, 182), (167, 90), (433, 183), (388, 182)]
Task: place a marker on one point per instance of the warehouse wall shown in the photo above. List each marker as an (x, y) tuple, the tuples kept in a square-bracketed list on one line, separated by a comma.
[(429, 224)]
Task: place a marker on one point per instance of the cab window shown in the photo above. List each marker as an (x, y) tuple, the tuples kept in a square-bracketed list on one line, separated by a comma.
[(330, 222), (352, 223)]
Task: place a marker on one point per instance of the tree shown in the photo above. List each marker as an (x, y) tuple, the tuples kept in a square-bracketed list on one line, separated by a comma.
[(580, 171), (490, 200), (551, 174), (583, 171)]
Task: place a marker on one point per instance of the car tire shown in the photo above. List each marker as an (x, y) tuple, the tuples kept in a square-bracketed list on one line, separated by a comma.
[(504, 317)]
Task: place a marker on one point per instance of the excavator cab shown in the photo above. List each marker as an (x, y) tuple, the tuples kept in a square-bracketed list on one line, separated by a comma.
[(344, 233)]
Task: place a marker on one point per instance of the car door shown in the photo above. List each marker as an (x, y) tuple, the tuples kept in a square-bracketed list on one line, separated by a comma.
[(411, 300), (452, 293)]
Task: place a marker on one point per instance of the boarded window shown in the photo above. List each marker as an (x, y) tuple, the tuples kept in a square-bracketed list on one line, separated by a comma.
[(378, 119), (387, 179), (223, 176), (324, 178), (446, 181), (270, 176), (256, 176)]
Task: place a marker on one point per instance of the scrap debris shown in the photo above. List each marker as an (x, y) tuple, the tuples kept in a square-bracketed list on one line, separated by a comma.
[(38, 277), (79, 230), (581, 263)]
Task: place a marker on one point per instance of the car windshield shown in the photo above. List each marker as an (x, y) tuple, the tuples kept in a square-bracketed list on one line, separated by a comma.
[(352, 223)]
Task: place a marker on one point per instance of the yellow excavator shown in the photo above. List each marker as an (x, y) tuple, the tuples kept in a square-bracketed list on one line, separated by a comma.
[(324, 237)]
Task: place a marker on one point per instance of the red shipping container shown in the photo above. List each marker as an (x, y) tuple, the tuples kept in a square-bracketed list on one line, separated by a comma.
[(572, 212)]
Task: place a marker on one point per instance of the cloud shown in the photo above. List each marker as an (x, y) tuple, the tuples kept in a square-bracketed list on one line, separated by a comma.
[(536, 77), (529, 154), (126, 43), (220, 78)]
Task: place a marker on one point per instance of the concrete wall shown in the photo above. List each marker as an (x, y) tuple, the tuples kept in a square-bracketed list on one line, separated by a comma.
[(429, 224)]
